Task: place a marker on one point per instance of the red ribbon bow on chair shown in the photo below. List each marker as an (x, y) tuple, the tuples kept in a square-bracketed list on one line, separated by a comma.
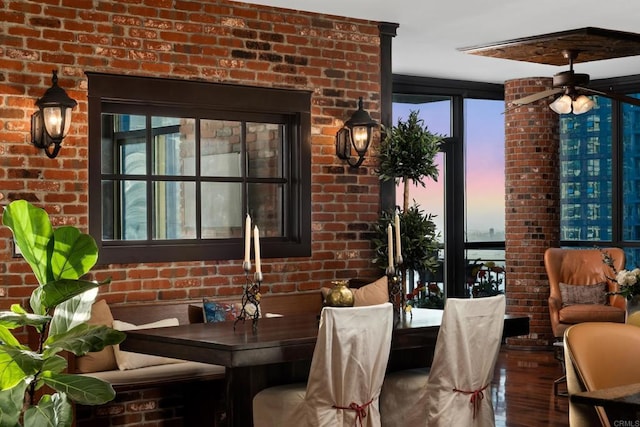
[(361, 410), (476, 398)]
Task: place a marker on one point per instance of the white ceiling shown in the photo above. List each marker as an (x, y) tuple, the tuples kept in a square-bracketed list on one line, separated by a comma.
[(432, 31)]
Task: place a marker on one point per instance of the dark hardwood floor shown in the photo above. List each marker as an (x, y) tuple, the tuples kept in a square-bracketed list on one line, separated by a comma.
[(522, 390)]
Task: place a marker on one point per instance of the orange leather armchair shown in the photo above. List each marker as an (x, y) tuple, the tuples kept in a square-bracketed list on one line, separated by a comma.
[(582, 267), (600, 355)]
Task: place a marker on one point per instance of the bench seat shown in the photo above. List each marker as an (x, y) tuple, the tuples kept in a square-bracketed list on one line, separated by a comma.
[(160, 374)]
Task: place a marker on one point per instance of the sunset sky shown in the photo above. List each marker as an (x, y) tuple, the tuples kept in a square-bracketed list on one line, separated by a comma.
[(484, 164)]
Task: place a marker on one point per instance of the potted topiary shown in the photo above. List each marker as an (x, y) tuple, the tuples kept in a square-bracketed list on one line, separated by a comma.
[(60, 307), (407, 153)]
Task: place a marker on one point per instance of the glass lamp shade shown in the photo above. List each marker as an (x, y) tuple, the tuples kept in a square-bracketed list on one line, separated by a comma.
[(361, 136), (57, 121), (562, 105), (582, 104)]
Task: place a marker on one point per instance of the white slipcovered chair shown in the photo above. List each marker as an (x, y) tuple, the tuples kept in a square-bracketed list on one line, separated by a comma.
[(456, 390), (345, 378)]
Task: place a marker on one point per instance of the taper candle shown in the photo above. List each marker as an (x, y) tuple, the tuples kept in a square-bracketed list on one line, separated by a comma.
[(390, 245), (247, 238), (256, 244), (398, 244)]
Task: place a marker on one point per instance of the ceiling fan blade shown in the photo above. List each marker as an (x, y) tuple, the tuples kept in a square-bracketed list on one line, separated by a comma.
[(537, 96), (613, 95)]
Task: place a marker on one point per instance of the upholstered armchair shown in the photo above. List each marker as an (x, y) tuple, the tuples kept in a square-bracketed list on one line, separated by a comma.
[(578, 282), (599, 356)]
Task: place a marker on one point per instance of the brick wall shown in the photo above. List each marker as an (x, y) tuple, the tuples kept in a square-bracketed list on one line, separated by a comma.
[(186, 404), (213, 40), (210, 40), (532, 204)]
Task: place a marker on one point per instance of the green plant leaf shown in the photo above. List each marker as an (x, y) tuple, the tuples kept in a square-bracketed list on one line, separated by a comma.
[(17, 365), (13, 320), (73, 311), (83, 389), (51, 411), (74, 253), (54, 363), (7, 337), (32, 232), (59, 291), (11, 402), (84, 338)]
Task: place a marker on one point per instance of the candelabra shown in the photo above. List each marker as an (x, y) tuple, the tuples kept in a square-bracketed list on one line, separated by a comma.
[(250, 296), (397, 296)]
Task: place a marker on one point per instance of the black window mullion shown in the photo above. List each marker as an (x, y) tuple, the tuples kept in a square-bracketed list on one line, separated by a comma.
[(244, 154), (198, 179), (617, 173), (149, 153)]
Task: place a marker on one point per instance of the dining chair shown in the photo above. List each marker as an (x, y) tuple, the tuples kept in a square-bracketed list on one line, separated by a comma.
[(456, 389), (345, 377), (599, 355)]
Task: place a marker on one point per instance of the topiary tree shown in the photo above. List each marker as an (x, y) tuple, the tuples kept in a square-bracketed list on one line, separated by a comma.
[(419, 239), (60, 307), (407, 153)]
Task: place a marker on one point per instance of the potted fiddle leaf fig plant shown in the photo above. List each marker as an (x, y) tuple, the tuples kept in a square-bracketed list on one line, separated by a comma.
[(60, 307)]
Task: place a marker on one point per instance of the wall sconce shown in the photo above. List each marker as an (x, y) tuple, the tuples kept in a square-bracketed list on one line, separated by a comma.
[(50, 124), (357, 132)]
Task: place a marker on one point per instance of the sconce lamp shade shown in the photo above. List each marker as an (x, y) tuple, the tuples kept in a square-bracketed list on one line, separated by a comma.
[(51, 123), (357, 133), (568, 103)]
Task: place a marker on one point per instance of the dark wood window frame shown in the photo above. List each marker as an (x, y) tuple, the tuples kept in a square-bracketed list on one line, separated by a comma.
[(182, 96)]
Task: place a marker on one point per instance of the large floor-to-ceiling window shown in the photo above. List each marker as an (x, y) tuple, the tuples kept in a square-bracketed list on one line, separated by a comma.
[(600, 175), (468, 198), (599, 169)]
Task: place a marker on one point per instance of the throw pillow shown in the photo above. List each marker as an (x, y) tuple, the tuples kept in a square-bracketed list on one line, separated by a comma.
[(372, 294), (215, 311), (583, 294), (129, 360), (103, 360)]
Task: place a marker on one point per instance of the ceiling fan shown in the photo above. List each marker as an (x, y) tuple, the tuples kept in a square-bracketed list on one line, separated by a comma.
[(573, 87)]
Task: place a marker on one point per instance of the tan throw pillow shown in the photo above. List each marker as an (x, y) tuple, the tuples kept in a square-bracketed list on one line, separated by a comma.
[(583, 294), (103, 360), (372, 294), (129, 360)]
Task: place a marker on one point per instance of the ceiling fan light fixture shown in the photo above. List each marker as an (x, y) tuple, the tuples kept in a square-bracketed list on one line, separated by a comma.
[(562, 105), (582, 104)]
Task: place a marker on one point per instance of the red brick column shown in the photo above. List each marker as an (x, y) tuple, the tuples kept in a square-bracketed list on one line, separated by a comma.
[(532, 205)]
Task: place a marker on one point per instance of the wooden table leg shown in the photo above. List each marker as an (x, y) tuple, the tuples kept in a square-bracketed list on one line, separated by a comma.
[(239, 397)]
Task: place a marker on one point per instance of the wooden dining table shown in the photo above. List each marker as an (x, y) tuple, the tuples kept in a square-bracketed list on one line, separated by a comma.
[(279, 350)]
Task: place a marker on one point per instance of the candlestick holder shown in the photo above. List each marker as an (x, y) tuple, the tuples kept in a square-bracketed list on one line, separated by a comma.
[(397, 296), (250, 296)]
